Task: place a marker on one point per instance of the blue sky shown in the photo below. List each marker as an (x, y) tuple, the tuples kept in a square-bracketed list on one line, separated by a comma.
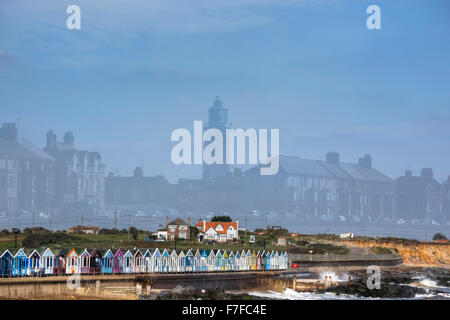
[(139, 69)]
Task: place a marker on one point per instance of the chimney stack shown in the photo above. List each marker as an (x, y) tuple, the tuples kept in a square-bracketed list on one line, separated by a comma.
[(69, 138), (366, 162), (138, 172), (51, 139), (408, 173), (9, 131), (332, 157), (167, 220), (427, 173)]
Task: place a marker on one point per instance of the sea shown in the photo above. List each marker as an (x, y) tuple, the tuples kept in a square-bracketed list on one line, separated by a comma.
[(433, 292)]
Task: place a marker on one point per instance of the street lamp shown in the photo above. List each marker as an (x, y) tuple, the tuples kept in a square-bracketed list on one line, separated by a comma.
[(16, 231)]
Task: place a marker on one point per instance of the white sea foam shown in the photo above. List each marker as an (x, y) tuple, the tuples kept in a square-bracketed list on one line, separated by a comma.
[(290, 294), (428, 283)]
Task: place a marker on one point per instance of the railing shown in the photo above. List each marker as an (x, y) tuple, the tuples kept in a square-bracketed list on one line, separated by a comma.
[(342, 257)]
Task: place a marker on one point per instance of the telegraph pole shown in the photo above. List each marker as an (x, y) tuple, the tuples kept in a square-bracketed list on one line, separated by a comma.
[(82, 219), (76, 223), (129, 218), (32, 227), (245, 228), (50, 224)]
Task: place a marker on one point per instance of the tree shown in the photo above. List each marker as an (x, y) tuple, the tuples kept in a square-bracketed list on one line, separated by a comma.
[(193, 233), (221, 219), (133, 230), (439, 236)]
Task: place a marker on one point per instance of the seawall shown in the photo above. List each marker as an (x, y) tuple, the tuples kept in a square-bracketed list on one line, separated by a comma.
[(129, 287)]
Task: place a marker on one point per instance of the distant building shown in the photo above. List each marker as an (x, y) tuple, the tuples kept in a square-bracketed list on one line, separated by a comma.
[(178, 229), (217, 119), (446, 199), (161, 234), (80, 175), (282, 242), (315, 188), (83, 229), (420, 197), (220, 193), (219, 231), (26, 174), (346, 235), (137, 189)]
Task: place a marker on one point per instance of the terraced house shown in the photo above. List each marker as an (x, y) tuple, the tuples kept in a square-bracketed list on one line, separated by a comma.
[(80, 174), (26, 174), (314, 188)]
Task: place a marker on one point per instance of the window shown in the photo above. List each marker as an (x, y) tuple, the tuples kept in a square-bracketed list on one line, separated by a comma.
[(183, 235)]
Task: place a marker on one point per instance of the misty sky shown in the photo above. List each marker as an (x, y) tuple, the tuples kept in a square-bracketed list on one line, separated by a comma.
[(138, 69)]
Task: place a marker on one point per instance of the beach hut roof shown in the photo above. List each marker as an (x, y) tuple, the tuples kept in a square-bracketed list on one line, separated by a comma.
[(128, 254), (84, 252), (72, 252), (18, 252), (47, 252), (5, 252)]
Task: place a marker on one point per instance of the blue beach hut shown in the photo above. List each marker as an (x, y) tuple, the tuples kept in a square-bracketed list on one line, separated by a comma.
[(6, 263), (107, 262), (20, 263)]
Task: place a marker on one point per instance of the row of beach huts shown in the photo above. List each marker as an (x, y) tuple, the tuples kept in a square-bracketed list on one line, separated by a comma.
[(47, 262)]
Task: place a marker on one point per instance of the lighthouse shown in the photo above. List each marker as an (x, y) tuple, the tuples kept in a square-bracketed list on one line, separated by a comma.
[(217, 119)]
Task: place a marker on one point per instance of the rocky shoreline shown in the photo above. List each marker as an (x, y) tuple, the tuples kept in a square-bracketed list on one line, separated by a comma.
[(399, 282)]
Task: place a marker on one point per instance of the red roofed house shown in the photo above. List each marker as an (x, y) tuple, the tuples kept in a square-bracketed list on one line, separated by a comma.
[(219, 231)]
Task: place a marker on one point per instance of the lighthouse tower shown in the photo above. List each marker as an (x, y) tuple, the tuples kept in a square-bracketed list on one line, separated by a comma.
[(217, 119)]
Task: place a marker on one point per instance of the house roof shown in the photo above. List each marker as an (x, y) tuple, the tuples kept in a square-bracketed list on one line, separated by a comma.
[(22, 149), (335, 169), (225, 226), (298, 166), (178, 222), (199, 223)]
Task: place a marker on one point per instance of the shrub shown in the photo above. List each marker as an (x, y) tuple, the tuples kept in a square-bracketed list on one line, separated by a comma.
[(439, 236), (38, 240), (380, 250), (221, 219), (321, 248)]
